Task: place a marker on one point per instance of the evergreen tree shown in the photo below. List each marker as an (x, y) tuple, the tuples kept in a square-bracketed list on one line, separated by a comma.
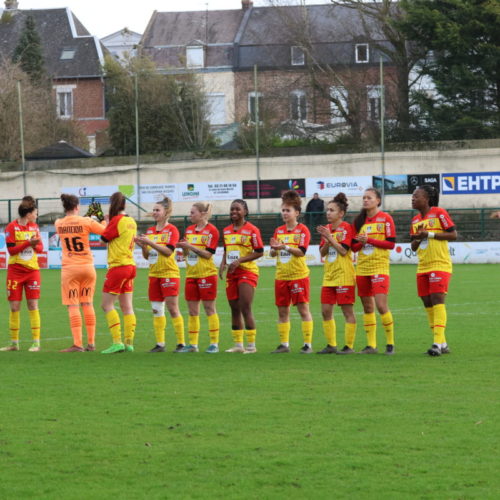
[(28, 52), (464, 37)]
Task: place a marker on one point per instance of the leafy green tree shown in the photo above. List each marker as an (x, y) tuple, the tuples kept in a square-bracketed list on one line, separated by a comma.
[(28, 52), (172, 110), (464, 37)]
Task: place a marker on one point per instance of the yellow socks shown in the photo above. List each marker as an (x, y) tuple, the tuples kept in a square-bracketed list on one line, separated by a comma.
[(388, 324), (284, 331), (430, 316), (35, 325), (178, 324), (75, 323), (14, 325), (330, 330), (90, 322), (370, 325), (159, 325), (213, 328), (129, 323), (440, 318), (237, 336), (193, 329), (250, 336), (113, 320), (307, 332), (350, 334)]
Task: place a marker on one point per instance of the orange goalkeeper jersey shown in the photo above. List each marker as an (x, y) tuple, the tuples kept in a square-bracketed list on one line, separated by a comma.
[(73, 231), (433, 255), (120, 235)]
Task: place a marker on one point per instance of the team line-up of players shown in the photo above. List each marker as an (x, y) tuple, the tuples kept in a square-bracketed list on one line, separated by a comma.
[(372, 235)]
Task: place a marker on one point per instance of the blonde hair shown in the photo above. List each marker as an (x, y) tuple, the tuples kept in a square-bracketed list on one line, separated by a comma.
[(204, 208), (166, 203)]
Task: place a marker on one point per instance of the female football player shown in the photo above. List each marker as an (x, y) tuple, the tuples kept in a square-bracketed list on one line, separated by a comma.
[(375, 237), (431, 230), (78, 276), (242, 246), (199, 246), (158, 247), (339, 278), (289, 244), (23, 272), (119, 282)]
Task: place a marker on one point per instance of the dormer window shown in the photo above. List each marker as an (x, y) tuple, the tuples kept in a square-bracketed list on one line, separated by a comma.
[(68, 53), (298, 56), (362, 52), (195, 57)]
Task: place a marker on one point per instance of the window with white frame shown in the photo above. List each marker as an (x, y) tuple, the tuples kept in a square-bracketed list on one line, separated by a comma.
[(298, 105), (374, 100), (338, 102), (362, 52), (254, 102), (297, 56), (64, 100), (195, 57), (216, 103)]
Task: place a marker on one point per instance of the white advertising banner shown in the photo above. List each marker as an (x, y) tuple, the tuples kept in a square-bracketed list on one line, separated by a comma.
[(330, 186), (151, 193), (209, 191)]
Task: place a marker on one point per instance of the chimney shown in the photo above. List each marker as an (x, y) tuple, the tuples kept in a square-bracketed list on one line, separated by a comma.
[(11, 4), (246, 4)]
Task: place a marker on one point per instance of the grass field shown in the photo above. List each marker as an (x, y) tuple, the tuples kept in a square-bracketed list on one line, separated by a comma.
[(142, 425)]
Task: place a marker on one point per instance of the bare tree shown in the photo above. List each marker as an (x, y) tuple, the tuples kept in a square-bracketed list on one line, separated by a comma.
[(41, 124)]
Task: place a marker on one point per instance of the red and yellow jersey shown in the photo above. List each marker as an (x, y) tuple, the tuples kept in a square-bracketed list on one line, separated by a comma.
[(242, 242), (288, 266), (120, 235), (371, 259), (73, 231), (339, 269), (18, 238), (161, 266), (205, 239), (433, 255)]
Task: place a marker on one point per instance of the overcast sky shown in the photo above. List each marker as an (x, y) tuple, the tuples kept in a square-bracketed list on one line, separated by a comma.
[(103, 17)]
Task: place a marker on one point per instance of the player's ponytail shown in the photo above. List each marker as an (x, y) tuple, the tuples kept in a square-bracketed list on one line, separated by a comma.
[(361, 217), (116, 204), (69, 202), (166, 203), (292, 198), (432, 194), (341, 201), (205, 209), (27, 205)]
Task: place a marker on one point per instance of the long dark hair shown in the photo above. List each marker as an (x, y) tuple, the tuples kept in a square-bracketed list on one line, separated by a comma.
[(361, 217), (27, 205), (116, 204), (432, 194), (69, 202)]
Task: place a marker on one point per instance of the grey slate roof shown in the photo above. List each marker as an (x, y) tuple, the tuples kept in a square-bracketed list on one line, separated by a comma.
[(58, 151), (58, 29), (168, 33)]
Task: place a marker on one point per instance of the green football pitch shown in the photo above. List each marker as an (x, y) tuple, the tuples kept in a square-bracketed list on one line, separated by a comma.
[(142, 425)]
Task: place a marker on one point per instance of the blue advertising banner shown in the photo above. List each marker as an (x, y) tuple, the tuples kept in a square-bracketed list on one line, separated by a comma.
[(470, 183)]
